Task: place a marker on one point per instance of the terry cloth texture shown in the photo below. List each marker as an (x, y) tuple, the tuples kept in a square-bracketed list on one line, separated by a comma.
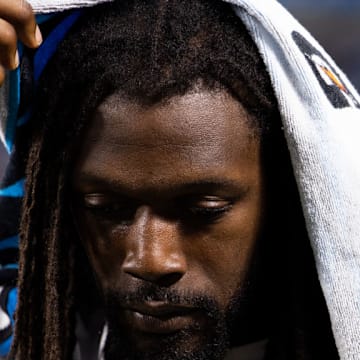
[(320, 112), (321, 117), (48, 6)]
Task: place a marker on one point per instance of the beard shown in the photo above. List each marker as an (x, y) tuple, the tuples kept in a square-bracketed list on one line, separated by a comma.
[(243, 320), (202, 340)]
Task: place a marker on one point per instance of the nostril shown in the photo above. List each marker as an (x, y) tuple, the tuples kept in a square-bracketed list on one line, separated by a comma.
[(169, 279), (159, 279)]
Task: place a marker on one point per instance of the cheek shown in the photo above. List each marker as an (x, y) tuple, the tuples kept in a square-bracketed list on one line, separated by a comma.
[(223, 255), (104, 248)]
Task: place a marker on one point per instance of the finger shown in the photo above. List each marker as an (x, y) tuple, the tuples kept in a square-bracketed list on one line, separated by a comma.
[(19, 13), (9, 57), (2, 75)]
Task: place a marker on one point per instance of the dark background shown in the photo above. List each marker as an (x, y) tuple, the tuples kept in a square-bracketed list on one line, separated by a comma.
[(335, 23)]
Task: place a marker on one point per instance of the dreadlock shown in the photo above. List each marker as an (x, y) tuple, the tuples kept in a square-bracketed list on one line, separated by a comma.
[(147, 50)]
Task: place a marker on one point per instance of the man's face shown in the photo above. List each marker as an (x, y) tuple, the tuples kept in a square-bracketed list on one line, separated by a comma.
[(169, 206)]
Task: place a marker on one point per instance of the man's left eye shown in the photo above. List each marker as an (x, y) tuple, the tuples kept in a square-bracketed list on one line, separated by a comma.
[(209, 208)]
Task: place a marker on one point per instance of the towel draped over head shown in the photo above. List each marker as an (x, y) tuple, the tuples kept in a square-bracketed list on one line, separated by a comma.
[(320, 112)]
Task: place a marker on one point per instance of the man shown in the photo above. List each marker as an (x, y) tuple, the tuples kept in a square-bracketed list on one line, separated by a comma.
[(159, 191)]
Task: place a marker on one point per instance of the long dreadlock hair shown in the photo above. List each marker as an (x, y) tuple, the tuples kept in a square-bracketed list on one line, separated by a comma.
[(148, 50)]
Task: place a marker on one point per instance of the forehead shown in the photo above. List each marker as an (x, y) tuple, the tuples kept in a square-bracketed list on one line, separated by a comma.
[(185, 137), (201, 116)]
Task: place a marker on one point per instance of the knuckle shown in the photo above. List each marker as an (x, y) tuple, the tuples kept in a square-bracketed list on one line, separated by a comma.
[(25, 13), (7, 37)]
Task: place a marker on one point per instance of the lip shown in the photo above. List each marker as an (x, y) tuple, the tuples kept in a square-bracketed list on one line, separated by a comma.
[(160, 318)]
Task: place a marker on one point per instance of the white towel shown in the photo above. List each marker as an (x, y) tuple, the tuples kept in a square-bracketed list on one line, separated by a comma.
[(48, 6), (321, 118)]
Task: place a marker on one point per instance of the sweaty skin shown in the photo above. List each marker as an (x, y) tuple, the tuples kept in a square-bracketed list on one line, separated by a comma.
[(172, 196)]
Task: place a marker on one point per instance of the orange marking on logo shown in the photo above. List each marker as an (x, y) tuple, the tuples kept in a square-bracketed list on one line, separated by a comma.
[(334, 78)]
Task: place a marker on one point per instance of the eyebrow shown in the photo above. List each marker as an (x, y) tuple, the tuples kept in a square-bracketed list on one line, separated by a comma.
[(205, 184)]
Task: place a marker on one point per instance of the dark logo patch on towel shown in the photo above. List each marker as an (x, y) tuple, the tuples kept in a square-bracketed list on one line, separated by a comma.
[(331, 82)]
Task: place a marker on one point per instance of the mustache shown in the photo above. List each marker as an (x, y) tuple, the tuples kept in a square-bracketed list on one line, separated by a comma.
[(150, 292), (214, 335)]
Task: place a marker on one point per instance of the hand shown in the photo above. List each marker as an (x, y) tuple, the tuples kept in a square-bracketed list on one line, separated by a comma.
[(17, 22)]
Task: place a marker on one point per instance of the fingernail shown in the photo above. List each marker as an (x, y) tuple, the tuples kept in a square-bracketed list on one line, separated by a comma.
[(38, 36), (17, 59)]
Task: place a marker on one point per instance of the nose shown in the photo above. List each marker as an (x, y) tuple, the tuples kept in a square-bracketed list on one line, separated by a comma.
[(154, 252)]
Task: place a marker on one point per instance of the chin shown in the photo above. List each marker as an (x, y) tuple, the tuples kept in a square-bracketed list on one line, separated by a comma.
[(186, 344)]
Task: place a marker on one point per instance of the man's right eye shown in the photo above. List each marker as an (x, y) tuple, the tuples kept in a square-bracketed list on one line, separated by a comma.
[(109, 208)]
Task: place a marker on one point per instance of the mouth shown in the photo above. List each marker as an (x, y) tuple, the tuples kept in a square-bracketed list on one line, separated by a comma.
[(158, 318)]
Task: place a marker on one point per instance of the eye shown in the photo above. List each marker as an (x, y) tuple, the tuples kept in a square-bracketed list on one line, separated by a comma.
[(110, 208), (208, 208)]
